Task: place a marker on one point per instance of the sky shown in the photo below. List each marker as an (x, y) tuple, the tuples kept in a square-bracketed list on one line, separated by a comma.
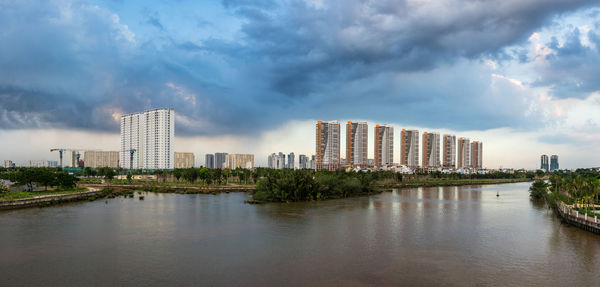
[(254, 76)]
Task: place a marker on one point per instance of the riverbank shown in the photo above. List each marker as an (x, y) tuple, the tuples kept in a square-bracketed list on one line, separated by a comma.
[(573, 217), (452, 182), (50, 199), (181, 189)]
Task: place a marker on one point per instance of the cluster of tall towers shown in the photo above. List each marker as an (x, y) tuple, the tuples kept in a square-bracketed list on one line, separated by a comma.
[(553, 162), (466, 154)]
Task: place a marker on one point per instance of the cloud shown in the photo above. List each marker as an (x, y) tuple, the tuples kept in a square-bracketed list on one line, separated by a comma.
[(72, 64)]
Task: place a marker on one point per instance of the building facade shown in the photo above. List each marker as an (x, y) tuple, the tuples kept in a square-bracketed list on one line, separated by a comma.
[(184, 159), (409, 148), (96, 159), (234, 161), (151, 134), (302, 161), (477, 154), (357, 137), (220, 159), (464, 153), (449, 159), (209, 161), (554, 162), (291, 160), (544, 162), (327, 145), (8, 163), (384, 145), (431, 150)]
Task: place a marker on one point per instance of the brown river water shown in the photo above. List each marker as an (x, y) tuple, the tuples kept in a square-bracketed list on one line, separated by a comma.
[(439, 236)]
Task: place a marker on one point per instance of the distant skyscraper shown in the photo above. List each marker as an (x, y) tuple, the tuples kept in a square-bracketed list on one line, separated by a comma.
[(281, 161), (384, 145), (554, 162), (477, 154), (291, 160), (449, 160), (151, 134), (357, 137), (464, 153), (544, 163), (209, 160), (220, 159), (328, 145), (302, 162), (409, 148), (313, 162), (431, 150)]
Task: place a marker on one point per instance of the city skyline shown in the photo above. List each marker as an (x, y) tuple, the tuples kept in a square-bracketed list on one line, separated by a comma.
[(237, 79)]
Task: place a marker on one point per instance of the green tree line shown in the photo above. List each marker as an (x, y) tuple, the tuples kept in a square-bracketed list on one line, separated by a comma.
[(43, 176)]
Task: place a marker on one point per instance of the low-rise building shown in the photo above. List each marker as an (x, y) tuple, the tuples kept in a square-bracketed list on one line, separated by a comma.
[(234, 161), (184, 159), (96, 159)]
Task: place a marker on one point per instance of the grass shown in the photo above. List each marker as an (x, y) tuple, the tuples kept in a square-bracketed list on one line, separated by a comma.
[(8, 196)]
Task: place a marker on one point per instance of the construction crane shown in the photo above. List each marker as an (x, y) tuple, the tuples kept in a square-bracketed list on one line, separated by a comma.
[(61, 150), (131, 152)]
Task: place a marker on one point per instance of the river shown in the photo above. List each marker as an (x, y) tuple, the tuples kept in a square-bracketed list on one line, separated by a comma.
[(451, 236)]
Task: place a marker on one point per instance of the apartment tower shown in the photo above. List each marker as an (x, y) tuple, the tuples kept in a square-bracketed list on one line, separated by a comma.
[(409, 148), (384, 145), (220, 158), (554, 162), (476, 154), (544, 162), (150, 134), (209, 161), (431, 150), (327, 145), (449, 160), (357, 135), (464, 153)]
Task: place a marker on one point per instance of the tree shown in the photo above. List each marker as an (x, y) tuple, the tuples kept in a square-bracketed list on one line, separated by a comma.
[(538, 189)]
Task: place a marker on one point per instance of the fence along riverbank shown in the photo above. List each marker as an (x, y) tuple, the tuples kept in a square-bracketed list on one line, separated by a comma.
[(573, 217)]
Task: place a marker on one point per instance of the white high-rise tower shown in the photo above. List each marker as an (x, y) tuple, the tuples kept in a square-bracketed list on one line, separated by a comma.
[(151, 135)]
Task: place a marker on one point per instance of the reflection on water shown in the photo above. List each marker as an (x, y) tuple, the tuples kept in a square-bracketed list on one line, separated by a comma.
[(422, 236)]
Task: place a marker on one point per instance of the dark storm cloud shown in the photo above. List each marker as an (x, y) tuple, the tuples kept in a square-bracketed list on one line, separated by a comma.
[(74, 65)]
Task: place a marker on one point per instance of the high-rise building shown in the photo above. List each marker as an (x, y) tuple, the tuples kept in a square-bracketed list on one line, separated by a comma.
[(431, 150), (464, 153), (449, 160), (184, 159), (302, 161), (234, 161), (313, 162), (96, 159), (357, 143), (209, 160), (544, 163), (409, 148), (8, 163), (271, 160), (151, 133), (554, 162), (281, 162), (220, 158), (384, 145), (327, 145), (291, 160), (477, 154)]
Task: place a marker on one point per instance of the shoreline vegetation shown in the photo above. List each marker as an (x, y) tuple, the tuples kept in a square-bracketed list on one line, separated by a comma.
[(265, 185), (308, 185), (575, 196)]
